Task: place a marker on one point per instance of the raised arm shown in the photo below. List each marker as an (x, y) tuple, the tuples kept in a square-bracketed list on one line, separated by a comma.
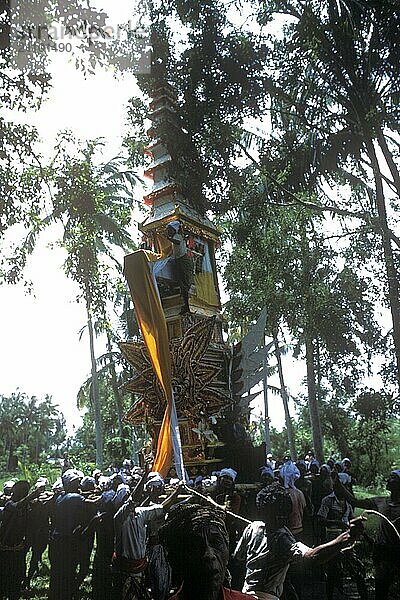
[(32, 496), (326, 552)]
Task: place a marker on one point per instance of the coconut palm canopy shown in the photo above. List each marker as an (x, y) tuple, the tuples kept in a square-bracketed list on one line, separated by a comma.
[(192, 376)]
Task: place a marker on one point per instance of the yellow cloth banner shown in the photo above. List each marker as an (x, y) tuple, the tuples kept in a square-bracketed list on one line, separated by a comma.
[(151, 319), (205, 288)]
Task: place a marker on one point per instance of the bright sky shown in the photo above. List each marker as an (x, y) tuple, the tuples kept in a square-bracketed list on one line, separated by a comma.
[(41, 352)]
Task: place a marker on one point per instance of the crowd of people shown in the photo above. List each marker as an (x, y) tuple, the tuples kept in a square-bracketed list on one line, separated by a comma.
[(136, 536)]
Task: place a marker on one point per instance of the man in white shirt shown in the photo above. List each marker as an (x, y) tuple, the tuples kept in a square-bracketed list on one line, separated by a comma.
[(129, 560)]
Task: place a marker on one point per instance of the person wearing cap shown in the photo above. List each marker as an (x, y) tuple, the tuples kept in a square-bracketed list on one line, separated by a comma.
[(183, 262), (270, 462), (5, 495), (12, 539), (335, 515), (69, 518), (88, 490), (38, 524), (101, 578), (268, 547), (386, 555)]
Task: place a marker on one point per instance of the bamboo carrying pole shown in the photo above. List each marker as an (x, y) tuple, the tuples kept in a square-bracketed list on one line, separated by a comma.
[(211, 501)]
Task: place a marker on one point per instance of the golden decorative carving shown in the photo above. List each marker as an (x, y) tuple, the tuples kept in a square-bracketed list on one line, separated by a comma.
[(192, 376)]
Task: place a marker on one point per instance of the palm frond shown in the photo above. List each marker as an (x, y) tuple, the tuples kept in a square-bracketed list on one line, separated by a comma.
[(251, 140), (107, 358), (83, 394), (275, 390)]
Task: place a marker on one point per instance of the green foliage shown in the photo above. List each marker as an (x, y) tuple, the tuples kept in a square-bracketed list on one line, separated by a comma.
[(283, 124), (361, 426), (115, 448), (375, 424), (326, 81), (93, 202), (31, 430), (32, 471), (25, 81)]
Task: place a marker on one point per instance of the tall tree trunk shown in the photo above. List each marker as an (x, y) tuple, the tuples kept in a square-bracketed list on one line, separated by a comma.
[(285, 400), (390, 161), (117, 397), (267, 433), (387, 253), (95, 393), (12, 459), (312, 400)]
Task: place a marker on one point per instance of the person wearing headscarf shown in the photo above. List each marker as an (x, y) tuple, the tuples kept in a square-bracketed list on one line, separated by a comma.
[(289, 474), (183, 262), (129, 561), (322, 486), (12, 539), (331, 463), (386, 554), (346, 464), (304, 484), (196, 542), (158, 569), (228, 497), (344, 477), (96, 474), (348, 475), (225, 493), (313, 467), (266, 476), (5, 495), (268, 547), (126, 466)]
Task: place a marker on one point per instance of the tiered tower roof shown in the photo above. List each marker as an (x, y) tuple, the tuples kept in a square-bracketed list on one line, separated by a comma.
[(166, 196)]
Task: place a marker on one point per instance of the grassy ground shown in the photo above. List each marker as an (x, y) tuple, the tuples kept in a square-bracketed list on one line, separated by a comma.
[(40, 584)]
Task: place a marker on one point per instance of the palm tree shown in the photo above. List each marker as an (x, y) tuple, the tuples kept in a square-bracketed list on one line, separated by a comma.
[(93, 202), (334, 89)]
